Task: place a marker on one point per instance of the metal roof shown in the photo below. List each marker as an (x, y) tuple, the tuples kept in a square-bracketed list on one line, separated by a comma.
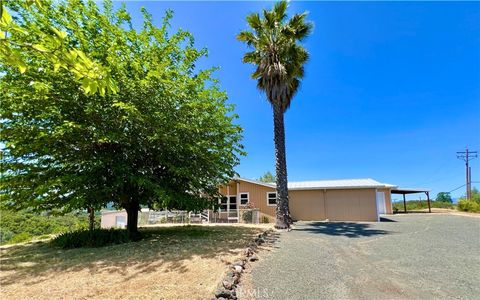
[(328, 184), (335, 184), (409, 190)]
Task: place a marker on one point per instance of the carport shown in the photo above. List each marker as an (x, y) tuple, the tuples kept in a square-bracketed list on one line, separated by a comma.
[(405, 191)]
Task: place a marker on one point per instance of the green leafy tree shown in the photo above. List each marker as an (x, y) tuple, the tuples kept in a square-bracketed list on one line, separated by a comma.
[(279, 60), (166, 139), (19, 37), (267, 177), (444, 197)]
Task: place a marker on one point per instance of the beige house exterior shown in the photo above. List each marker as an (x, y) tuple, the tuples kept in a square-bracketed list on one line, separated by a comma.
[(333, 200), (251, 201)]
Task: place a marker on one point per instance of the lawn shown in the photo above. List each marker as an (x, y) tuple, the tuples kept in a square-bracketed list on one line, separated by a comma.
[(182, 262)]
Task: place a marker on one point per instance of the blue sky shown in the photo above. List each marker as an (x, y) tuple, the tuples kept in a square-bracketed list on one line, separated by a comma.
[(391, 92)]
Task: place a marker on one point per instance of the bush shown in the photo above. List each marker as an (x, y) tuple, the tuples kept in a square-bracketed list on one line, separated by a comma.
[(25, 223), (95, 238), (421, 204), (21, 237), (247, 216), (469, 205), (5, 235), (264, 219)]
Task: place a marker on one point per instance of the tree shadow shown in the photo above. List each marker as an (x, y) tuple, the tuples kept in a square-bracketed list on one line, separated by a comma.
[(347, 229), (167, 249)]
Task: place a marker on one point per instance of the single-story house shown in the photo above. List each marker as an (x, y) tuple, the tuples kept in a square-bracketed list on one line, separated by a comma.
[(334, 200)]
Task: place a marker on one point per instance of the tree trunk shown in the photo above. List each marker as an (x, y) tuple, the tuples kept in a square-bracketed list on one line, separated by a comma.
[(283, 219), (91, 219), (132, 217)]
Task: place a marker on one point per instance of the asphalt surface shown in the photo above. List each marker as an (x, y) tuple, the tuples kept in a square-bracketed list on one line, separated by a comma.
[(411, 257)]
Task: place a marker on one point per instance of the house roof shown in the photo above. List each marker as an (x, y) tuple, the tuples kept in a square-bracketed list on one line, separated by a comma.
[(268, 184), (398, 190), (327, 184)]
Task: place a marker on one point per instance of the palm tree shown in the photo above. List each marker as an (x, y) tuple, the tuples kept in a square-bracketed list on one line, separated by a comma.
[(279, 60)]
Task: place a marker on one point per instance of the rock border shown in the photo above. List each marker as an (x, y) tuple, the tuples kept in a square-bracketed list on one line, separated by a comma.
[(227, 288)]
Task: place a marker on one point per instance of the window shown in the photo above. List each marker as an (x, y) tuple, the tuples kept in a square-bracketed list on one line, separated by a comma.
[(271, 199), (243, 198), (233, 202), (223, 203), (120, 221)]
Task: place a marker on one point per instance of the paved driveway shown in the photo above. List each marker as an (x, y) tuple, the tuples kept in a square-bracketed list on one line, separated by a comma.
[(410, 257)]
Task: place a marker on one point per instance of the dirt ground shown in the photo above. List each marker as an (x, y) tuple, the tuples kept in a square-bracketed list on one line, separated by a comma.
[(175, 264), (447, 211)]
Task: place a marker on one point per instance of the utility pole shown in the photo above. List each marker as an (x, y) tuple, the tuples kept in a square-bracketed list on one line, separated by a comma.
[(466, 156)]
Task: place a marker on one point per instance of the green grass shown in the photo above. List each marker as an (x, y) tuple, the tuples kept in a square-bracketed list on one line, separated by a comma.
[(105, 237)]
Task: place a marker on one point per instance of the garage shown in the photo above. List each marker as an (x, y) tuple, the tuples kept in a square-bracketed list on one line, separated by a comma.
[(307, 205), (334, 200), (351, 205), (337, 200)]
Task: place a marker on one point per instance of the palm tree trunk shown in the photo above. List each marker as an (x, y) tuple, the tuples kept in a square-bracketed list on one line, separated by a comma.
[(283, 219)]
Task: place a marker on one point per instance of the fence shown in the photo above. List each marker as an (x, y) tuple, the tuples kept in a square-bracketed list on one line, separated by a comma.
[(119, 218), (248, 216)]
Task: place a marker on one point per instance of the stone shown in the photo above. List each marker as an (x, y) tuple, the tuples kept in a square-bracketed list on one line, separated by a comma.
[(239, 263), (253, 258), (228, 284), (248, 251), (230, 274), (223, 292), (237, 269), (236, 279), (259, 241)]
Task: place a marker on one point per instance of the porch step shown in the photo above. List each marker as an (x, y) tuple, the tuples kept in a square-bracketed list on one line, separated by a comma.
[(232, 219)]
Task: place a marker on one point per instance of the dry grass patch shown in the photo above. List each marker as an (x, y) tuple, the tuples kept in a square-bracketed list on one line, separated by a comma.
[(183, 262)]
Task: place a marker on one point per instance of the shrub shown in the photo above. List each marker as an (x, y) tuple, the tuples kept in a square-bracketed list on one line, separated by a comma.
[(21, 237), (469, 205), (5, 235), (264, 219), (421, 204), (13, 223), (95, 238), (247, 216)]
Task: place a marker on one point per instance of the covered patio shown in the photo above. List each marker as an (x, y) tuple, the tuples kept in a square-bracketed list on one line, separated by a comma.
[(405, 191)]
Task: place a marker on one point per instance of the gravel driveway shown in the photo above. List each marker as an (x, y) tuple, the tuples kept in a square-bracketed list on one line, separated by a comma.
[(409, 257)]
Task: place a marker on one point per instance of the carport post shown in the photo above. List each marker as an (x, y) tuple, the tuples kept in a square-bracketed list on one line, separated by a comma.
[(404, 203), (428, 200)]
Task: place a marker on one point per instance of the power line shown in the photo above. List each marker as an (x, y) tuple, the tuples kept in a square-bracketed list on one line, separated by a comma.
[(462, 186), (457, 188), (466, 156)]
